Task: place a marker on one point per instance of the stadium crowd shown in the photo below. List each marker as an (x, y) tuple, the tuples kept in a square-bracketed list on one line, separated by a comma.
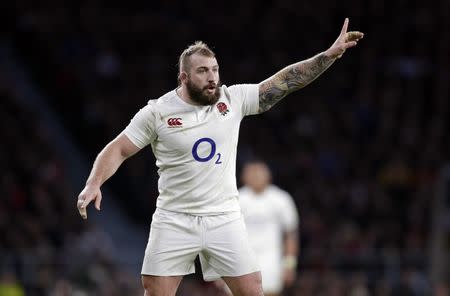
[(359, 149), (45, 249)]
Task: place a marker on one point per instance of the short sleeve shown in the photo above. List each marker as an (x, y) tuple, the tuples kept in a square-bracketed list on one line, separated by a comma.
[(246, 95), (141, 129), (288, 212)]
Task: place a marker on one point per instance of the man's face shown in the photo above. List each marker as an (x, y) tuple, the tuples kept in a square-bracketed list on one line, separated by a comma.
[(257, 176), (203, 82)]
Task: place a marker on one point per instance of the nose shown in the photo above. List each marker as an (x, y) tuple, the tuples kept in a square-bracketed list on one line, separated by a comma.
[(211, 76)]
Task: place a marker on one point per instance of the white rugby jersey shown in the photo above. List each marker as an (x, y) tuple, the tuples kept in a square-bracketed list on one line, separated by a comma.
[(267, 216), (195, 148)]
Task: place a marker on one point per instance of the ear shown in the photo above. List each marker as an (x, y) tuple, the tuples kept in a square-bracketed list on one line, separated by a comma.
[(183, 76)]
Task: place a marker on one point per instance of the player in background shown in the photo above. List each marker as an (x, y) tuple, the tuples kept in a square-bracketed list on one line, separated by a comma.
[(271, 218), (193, 131)]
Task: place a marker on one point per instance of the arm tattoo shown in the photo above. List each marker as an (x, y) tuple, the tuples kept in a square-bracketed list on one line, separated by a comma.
[(291, 78)]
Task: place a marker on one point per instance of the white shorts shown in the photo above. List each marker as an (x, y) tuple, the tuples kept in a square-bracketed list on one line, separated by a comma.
[(177, 238), (271, 271)]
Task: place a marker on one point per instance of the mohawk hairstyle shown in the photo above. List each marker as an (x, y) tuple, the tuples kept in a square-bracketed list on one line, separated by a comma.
[(198, 47)]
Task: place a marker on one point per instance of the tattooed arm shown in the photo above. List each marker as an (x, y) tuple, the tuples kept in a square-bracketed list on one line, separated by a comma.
[(290, 79), (298, 75)]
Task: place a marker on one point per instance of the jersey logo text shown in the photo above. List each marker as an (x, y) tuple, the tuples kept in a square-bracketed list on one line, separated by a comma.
[(212, 153), (174, 122)]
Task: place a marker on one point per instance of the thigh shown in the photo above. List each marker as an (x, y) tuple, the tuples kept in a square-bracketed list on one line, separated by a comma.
[(227, 251), (160, 285), (174, 242), (245, 285)]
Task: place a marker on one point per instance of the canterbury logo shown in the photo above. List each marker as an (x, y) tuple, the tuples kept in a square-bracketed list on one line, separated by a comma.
[(174, 122)]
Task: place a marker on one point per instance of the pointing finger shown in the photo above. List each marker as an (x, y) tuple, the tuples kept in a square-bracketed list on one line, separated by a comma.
[(344, 27)]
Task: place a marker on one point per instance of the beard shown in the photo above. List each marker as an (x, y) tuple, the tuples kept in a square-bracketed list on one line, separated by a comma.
[(199, 95)]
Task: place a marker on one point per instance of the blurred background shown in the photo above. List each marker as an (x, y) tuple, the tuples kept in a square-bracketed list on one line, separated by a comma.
[(363, 150)]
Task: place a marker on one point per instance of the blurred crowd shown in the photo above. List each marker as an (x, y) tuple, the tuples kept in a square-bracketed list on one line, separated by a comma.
[(45, 248), (360, 149)]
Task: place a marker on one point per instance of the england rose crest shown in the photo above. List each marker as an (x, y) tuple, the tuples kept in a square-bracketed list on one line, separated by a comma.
[(223, 108)]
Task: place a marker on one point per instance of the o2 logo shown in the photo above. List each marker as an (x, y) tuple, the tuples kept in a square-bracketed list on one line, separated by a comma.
[(211, 154)]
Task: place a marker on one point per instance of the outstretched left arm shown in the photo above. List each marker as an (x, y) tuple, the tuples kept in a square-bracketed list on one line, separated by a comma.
[(298, 75)]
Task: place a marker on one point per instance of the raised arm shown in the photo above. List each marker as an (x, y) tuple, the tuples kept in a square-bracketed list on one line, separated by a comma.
[(105, 165), (298, 75)]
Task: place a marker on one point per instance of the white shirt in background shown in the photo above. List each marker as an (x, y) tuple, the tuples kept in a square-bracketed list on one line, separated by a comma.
[(268, 215)]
